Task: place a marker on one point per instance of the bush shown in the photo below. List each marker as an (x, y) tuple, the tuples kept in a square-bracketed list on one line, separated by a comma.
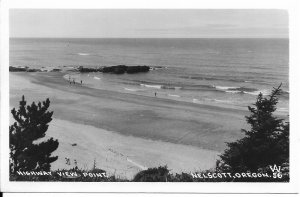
[(160, 174)]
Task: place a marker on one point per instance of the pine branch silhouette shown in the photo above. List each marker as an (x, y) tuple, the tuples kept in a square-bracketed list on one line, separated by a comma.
[(32, 122)]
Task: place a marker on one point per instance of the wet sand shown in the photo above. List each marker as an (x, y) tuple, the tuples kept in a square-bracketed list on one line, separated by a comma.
[(126, 133)]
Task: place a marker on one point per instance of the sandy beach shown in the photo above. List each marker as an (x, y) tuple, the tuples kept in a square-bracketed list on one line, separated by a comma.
[(125, 133)]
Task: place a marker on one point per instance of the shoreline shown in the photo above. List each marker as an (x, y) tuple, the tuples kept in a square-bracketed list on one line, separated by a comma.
[(237, 96), (178, 121)]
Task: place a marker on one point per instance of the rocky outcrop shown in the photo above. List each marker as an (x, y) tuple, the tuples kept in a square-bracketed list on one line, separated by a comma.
[(17, 69), (55, 70), (34, 70), (23, 69), (87, 70), (137, 69), (119, 69)]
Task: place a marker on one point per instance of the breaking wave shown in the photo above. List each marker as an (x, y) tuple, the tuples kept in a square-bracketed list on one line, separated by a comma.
[(132, 89), (151, 86), (174, 95), (83, 54)]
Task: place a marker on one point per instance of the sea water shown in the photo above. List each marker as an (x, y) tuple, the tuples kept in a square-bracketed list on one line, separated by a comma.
[(225, 72)]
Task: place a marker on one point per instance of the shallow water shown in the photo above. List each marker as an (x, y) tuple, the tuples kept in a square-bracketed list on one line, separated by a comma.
[(226, 72)]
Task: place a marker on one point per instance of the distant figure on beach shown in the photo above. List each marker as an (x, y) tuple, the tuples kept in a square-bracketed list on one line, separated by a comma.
[(155, 94), (67, 161), (81, 82), (74, 81)]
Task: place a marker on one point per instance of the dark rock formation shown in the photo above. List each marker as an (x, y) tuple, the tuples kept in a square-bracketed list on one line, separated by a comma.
[(55, 70), (87, 70), (17, 69), (119, 69), (137, 69), (33, 70), (23, 69)]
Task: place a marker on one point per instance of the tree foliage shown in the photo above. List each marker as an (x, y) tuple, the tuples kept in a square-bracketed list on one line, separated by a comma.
[(159, 174), (266, 143), (26, 153)]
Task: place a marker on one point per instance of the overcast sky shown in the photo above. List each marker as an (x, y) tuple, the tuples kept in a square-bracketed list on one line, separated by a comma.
[(148, 23)]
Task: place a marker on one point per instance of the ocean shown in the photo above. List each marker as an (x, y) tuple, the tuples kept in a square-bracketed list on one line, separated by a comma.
[(222, 72)]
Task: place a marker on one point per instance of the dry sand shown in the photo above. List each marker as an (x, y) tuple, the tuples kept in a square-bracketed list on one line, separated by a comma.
[(126, 133), (122, 155)]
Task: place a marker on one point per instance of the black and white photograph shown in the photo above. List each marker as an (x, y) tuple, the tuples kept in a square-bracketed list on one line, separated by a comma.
[(149, 95)]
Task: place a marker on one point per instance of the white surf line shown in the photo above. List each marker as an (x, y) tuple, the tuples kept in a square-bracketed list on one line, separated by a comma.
[(174, 95), (131, 89)]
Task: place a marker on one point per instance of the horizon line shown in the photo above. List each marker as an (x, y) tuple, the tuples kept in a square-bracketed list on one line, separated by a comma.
[(153, 37)]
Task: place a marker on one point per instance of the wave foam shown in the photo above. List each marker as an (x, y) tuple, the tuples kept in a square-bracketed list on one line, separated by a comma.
[(170, 87), (84, 54), (255, 93), (174, 95), (197, 101), (151, 86), (218, 100), (225, 87), (233, 91), (221, 101), (131, 89), (67, 77)]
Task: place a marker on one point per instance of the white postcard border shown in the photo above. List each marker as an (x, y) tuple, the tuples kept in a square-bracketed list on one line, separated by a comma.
[(293, 8)]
